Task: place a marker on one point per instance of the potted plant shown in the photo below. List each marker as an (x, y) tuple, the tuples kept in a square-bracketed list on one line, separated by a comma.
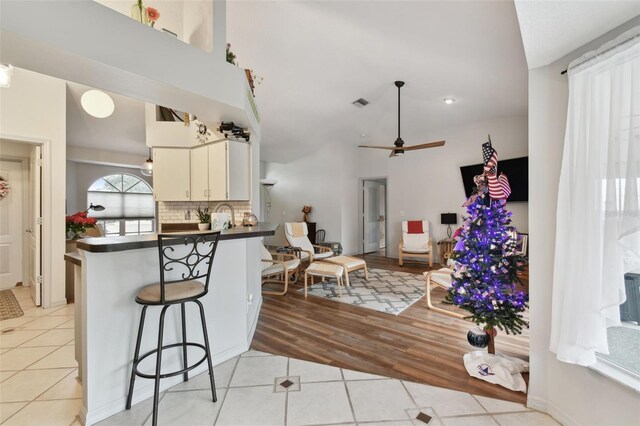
[(204, 217)]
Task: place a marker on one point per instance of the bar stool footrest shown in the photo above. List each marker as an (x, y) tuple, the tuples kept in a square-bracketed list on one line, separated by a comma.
[(173, 373)]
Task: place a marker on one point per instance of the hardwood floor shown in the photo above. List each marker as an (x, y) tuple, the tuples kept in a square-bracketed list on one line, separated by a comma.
[(417, 345)]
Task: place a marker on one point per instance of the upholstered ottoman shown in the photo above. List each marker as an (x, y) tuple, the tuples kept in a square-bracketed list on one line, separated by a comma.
[(350, 264), (324, 270)]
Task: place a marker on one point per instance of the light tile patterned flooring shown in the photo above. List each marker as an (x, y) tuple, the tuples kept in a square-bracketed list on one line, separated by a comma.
[(38, 387), (38, 369)]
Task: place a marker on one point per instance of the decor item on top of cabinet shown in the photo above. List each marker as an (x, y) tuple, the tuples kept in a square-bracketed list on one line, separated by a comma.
[(233, 132), (306, 210), (5, 188), (204, 216), (203, 133)]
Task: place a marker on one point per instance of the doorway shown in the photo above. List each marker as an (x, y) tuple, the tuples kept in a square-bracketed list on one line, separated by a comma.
[(373, 216), (21, 218)]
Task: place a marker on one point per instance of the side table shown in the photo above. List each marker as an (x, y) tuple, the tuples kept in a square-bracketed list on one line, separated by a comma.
[(333, 245), (446, 248)]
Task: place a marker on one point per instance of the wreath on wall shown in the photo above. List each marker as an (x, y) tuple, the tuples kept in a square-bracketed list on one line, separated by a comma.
[(4, 188)]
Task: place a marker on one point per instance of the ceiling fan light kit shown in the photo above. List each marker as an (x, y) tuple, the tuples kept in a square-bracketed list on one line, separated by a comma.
[(398, 146)]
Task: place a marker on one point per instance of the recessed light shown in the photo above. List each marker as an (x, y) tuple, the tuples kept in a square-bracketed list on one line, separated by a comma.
[(449, 101), (97, 103), (363, 135), (6, 71)]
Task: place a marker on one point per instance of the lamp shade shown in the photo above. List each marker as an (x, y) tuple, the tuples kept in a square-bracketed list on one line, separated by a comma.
[(448, 218)]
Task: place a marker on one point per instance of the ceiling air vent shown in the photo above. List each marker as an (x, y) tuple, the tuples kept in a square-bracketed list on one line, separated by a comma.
[(360, 102)]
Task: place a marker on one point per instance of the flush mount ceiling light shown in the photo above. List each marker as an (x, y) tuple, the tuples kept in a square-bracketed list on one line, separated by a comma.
[(147, 167), (448, 101), (97, 103), (6, 72)]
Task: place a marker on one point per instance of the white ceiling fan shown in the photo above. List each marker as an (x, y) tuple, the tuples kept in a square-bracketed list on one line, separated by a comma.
[(398, 146)]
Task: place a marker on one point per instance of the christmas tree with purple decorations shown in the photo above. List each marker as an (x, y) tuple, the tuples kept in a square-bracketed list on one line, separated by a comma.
[(486, 260)]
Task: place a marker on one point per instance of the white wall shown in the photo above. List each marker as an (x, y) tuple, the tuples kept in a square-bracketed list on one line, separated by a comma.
[(572, 394), (421, 184), (34, 107), (313, 180), (192, 20)]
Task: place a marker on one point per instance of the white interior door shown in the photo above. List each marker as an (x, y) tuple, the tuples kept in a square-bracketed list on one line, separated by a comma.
[(11, 226), (35, 225), (371, 205)]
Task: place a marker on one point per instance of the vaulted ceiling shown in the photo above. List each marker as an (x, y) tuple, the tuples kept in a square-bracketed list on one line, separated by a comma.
[(316, 58)]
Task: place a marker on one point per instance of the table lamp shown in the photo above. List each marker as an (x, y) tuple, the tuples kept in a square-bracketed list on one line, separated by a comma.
[(449, 219)]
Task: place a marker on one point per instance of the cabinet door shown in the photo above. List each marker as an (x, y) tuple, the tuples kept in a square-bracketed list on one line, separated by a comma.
[(218, 171), (200, 173), (239, 171), (171, 178)]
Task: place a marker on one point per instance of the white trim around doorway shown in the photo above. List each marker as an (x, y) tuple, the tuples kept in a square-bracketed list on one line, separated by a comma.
[(47, 214)]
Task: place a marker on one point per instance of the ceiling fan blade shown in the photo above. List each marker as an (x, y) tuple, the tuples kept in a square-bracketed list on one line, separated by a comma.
[(424, 146), (393, 154), (377, 147)]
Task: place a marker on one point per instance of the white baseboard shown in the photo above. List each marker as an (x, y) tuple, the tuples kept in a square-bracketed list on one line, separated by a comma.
[(551, 409)]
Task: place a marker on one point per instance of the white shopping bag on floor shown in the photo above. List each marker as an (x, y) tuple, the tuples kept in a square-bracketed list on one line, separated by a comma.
[(502, 370)]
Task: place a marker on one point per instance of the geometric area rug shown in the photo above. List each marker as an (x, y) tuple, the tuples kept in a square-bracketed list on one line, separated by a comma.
[(9, 306), (390, 292)]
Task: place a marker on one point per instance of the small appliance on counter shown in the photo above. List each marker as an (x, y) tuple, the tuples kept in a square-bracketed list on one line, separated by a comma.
[(249, 219)]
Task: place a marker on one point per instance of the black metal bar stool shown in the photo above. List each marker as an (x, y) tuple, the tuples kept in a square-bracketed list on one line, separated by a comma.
[(190, 257)]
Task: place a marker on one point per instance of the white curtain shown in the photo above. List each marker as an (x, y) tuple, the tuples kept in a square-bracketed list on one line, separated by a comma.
[(598, 215)]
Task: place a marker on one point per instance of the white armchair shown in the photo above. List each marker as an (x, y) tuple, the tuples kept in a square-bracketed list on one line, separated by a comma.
[(440, 278), (278, 271), (415, 244), (297, 235)]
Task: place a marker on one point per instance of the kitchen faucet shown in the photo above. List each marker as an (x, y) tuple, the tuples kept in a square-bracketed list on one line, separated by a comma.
[(233, 212)]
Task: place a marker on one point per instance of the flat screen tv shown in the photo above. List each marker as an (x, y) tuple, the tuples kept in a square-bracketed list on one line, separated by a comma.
[(516, 169)]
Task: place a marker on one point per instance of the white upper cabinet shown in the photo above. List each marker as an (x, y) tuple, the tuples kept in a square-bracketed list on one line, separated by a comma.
[(218, 171), (171, 174), (239, 171), (200, 173)]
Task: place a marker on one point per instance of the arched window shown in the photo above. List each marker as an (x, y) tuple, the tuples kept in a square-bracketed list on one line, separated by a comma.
[(128, 203)]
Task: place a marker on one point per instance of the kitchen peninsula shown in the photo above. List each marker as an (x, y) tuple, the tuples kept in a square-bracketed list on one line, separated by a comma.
[(111, 270)]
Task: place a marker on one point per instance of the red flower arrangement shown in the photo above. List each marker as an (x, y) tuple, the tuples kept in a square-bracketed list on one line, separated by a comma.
[(79, 223)]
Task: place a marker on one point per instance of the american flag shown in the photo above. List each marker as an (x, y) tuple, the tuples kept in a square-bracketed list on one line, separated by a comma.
[(489, 156), (499, 188)]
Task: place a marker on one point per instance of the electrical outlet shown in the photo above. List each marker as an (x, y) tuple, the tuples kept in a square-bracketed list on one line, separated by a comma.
[(187, 215), (250, 299)]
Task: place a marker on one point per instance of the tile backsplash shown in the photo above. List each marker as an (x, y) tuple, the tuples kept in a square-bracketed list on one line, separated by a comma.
[(176, 211)]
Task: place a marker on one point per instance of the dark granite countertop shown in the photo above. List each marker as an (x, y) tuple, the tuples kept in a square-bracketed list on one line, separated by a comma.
[(133, 242)]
